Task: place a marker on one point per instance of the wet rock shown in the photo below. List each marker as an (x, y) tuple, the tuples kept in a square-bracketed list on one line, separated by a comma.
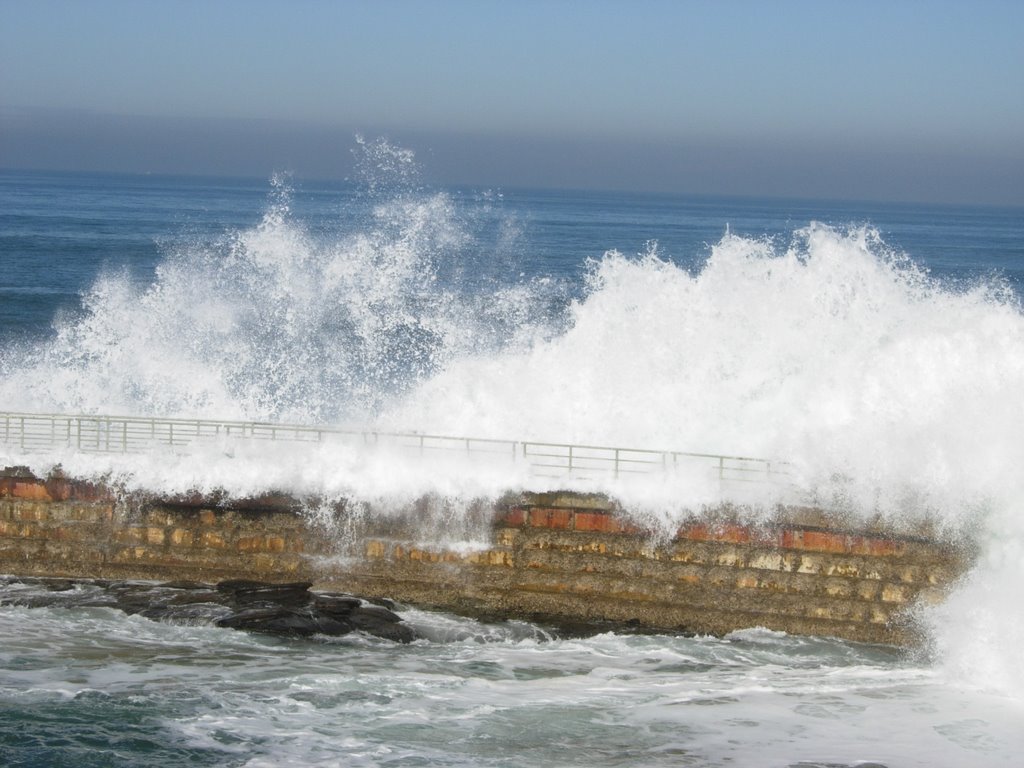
[(295, 594), (288, 609), (183, 585), (59, 585), (381, 622), (338, 606), (333, 627), (278, 621)]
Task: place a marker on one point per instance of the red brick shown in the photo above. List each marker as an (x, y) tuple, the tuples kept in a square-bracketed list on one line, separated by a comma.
[(598, 521), (32, 490), (729, 533), (543, 517), (822, 541), (880, 547), (732, 534), (693, 532), (514, 517)]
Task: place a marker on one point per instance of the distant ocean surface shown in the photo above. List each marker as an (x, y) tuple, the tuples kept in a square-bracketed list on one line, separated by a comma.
[(879, 347)]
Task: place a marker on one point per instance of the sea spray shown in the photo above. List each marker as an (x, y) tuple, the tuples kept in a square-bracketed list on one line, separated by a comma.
[(887, 391), (891, 395), (278, 322)]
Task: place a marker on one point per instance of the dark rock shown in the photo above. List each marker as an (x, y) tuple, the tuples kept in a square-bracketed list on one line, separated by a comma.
[(287, 597), (256, 606), (235, 585), (380, 622), (337, 606), (133, 601), (334, 627), (273, 620), (188, 598), (293, 594), (59, 585), (371, 614), (183, 585)]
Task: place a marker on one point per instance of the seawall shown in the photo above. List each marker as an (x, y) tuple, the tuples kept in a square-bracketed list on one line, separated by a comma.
[(561, 557)]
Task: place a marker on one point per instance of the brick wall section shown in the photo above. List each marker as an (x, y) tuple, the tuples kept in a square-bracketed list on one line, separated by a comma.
[(563, 557), (60, 527)]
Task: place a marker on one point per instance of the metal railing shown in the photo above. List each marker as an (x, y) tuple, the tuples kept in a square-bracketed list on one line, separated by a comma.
[(39, 432)]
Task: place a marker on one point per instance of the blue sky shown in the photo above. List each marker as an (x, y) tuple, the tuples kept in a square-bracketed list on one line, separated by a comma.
[(888, 100)]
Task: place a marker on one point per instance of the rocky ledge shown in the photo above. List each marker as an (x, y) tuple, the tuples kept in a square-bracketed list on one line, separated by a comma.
[(279, 609)]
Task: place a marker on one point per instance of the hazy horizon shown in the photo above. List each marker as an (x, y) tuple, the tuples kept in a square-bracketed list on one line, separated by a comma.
[(895, 102)]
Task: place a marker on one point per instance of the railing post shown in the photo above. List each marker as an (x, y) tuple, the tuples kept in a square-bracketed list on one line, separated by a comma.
[(616, 463)]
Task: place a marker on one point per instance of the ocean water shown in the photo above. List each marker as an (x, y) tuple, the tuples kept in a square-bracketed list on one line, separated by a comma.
[(877, 348)]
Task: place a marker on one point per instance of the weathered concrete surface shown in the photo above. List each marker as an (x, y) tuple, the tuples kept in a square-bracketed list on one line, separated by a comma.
[(556, 557)]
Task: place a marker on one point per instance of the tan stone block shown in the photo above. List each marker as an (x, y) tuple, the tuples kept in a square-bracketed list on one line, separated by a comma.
[(31, 513), (867, 590), (249, 543), (879, 615), (910, 574), (838, 588), (138, 552), (894, 593), (181, 537), (768, 561), (129, 535), (683, 556), (155, 535), (211, 539), (820, 612), (498, 557), (274, 543), (747, 582), (846, 568), (811, 564), (207, 517), (730, 558)]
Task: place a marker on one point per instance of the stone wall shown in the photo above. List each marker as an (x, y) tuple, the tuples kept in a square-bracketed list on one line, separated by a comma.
[(567, 558)]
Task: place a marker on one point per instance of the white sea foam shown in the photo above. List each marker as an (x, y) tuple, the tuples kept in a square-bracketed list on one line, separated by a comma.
[(477, 694), (888, 392)]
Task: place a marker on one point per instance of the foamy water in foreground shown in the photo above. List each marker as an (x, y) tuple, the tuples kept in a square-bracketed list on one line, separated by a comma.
[(891, 393), (492, 695)]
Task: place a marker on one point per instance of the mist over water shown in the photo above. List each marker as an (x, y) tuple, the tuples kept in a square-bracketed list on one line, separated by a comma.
[(890, 392)]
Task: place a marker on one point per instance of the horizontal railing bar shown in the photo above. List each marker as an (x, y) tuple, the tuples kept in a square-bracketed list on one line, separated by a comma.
[(95, 433)]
